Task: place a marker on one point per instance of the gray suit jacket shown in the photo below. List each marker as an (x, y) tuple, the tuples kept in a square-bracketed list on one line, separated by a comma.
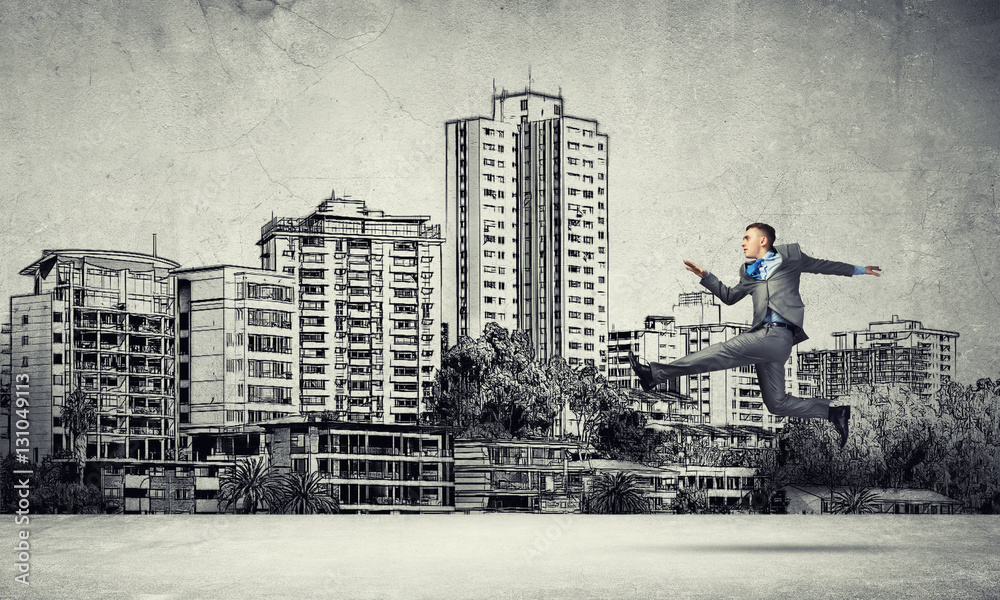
[(780, 291)]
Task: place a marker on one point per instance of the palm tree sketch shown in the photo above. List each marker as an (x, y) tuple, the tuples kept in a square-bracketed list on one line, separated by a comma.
[(251, 486), (617, 494), (305, 494)]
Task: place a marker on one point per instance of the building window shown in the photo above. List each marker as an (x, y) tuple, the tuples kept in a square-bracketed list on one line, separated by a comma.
[(24, 340)]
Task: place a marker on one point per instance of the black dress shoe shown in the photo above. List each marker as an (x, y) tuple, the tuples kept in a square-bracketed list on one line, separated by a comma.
[(644, 373), (840, 415)]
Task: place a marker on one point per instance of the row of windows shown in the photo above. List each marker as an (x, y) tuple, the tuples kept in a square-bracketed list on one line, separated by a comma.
[(586, 193), (582, 209), (576, 146), (583, 132), (586, 178)]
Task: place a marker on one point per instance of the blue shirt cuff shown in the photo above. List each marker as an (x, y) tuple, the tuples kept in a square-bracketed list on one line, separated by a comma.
[(859, 270)]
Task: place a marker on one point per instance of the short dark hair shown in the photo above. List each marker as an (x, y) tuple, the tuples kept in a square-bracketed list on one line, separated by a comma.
[(767, 229)]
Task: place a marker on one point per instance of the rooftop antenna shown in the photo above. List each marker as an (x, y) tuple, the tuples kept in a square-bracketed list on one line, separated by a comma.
[(529, 79), (154, 244)]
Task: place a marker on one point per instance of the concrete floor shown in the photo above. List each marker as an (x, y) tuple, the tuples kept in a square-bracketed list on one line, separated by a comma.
[(507, 556)]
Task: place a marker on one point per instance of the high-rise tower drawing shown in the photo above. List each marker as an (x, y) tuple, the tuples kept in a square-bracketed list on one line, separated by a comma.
[(527, 226)]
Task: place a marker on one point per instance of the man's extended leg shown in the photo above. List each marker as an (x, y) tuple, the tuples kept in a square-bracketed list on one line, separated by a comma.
[(770, 344), (771, 378)]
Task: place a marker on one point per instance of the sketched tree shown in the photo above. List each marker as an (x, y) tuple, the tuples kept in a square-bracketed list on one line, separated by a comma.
[(304, 494), (459, 382), (964, 458), (593, 401), (623, 436), (79, 416), (771, 473), (251, 485), (691, 501), (494, 386), (855, 500), (617, 494)]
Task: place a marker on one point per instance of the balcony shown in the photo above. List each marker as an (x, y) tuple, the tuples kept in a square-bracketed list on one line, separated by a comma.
[(135, 389)]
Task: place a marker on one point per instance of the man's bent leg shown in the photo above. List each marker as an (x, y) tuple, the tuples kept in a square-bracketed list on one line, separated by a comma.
[(762, 345), (771, 378)]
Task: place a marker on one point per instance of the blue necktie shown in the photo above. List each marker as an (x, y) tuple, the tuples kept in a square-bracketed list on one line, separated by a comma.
[(754, 269)]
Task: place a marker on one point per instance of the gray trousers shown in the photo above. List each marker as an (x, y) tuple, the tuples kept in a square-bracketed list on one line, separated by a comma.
[(766, 349)]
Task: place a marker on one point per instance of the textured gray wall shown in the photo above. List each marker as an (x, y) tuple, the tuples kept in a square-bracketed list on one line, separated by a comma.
[(866, 131)]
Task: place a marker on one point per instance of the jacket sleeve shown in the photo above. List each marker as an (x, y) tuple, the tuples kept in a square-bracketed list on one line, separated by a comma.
[(728, 295), (825, 267)]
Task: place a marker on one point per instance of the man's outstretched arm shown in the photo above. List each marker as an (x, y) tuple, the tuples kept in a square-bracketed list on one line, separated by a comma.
[(832, 267), (721, 291)]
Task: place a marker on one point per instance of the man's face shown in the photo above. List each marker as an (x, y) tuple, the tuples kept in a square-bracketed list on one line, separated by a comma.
[(754, 243)]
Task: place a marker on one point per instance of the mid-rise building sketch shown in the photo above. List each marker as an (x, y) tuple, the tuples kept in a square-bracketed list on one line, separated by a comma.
[(101, 323), (369, 302), (898, 352)]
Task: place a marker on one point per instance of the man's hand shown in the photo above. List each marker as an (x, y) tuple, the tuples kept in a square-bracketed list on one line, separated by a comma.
[(702, 272), (873, 271)]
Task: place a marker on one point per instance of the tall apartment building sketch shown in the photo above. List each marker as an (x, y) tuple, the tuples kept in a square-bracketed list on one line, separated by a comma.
[(896, 352), (102, 322), (237, 346), (527, 231), (729, 397), (369, 290)]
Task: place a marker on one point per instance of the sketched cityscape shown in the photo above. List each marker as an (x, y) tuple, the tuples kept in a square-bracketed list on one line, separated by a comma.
[(324, 360)]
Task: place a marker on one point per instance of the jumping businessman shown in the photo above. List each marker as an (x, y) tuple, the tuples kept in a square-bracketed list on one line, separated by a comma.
[(771, 278)]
